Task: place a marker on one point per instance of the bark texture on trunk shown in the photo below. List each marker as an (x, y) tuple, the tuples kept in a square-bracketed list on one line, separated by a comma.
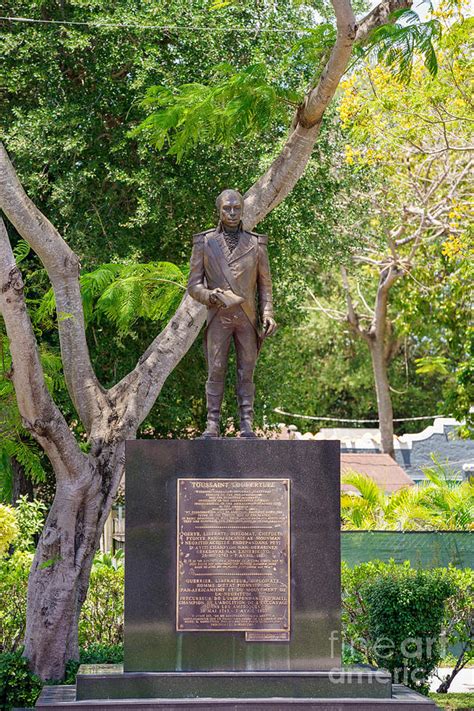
[(62, 266), (384, 399), (59, 576), (382, 347)]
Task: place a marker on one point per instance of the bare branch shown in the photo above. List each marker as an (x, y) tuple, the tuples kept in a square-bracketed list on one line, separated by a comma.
[(333, 314), (62, 266), (37, 409), (387, 278), (361, 295), (366, 260), (352, 316)]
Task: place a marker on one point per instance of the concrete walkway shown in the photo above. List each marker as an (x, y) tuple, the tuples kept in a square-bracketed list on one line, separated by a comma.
[(463, 682)]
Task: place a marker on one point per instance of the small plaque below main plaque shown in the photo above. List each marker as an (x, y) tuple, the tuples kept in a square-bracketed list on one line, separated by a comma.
[(233, 557)]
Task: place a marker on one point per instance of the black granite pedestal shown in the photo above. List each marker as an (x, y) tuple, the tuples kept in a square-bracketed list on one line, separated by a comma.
[(287, 659), (153, 467)]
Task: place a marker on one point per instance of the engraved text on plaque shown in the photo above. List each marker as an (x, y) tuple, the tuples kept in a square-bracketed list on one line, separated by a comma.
[(233, 558)]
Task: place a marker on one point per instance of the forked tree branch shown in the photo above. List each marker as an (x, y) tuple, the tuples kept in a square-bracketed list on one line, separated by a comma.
[(38, 411), (138, 390), (352, 316), (62, 266)]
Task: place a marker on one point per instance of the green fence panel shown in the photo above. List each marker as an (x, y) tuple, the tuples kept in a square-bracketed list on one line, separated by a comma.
[(424, 549)]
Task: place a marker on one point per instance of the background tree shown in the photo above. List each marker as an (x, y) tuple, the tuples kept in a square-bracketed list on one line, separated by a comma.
[(419, 141), (87, 480)]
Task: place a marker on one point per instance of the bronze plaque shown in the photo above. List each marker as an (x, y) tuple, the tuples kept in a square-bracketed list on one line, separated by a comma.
[(233, 555)]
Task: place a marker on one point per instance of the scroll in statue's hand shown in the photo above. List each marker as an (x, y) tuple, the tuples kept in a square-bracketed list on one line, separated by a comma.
[(214, 297), (225, 298)]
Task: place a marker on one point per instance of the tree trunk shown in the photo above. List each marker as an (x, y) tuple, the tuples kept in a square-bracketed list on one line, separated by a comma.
[(59, 577), (21, 484), (384, 400)]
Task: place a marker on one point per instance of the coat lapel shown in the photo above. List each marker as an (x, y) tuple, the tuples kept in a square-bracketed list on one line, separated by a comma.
[(223, 245), (244, 245)]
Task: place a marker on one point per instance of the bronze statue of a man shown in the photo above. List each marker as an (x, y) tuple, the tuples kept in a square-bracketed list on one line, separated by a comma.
[(229, 266)]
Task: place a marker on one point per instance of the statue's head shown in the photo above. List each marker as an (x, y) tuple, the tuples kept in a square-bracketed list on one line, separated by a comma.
[(230, 205)]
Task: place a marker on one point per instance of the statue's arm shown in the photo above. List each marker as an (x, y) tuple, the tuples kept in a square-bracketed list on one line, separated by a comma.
[(196, 284), (264, 280)]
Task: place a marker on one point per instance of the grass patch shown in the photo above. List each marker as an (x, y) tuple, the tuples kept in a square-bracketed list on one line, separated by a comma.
[(450, 702)]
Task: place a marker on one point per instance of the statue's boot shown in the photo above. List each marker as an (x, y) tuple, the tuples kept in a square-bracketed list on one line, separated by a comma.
[(245, 397), (214, 395)]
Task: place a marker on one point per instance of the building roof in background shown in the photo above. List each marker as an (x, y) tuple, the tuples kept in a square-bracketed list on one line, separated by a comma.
[(380, 467)]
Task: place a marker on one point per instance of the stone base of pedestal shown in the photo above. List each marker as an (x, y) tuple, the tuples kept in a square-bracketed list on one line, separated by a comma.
[(350, 689), (109, 681), (54, 698)]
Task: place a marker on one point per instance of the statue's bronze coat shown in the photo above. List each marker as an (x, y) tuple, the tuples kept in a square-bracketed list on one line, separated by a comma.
[(246, 272)]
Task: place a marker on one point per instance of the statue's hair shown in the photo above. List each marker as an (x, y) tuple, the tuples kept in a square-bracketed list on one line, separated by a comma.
[(227, 192)]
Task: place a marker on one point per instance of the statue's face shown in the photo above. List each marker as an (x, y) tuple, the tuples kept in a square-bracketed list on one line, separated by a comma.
[(230, 211)]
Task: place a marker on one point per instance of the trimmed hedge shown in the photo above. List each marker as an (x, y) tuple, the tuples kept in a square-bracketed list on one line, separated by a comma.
[(394, 616), (405, 616)]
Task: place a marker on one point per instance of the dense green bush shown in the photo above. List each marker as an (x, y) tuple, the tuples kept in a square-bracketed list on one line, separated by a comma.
[(405, 616), (13, 587), (30, 519), (393, 617), (102, 613), (459, 625), (95, 654), (101, 621), (18, 686)]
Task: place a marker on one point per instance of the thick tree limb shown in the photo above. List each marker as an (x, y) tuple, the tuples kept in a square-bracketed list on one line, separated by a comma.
[(388, 277), (352, 316), (38, 411), (143, 384), (62, 266)]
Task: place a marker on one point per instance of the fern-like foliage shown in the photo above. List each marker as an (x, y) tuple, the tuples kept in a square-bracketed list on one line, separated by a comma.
[(237, 105), (21, 251), (123, 293), (27, 454), (151, 291), (15, 442), (398, 44)]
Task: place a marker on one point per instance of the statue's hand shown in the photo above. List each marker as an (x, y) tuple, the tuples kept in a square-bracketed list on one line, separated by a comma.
[(214, 299), (269, 326)]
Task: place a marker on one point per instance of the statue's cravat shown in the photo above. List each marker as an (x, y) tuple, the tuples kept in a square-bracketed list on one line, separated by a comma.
[(232, 240)]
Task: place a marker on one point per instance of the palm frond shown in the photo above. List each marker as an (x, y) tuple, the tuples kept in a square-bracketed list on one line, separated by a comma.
[(367, 488)]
